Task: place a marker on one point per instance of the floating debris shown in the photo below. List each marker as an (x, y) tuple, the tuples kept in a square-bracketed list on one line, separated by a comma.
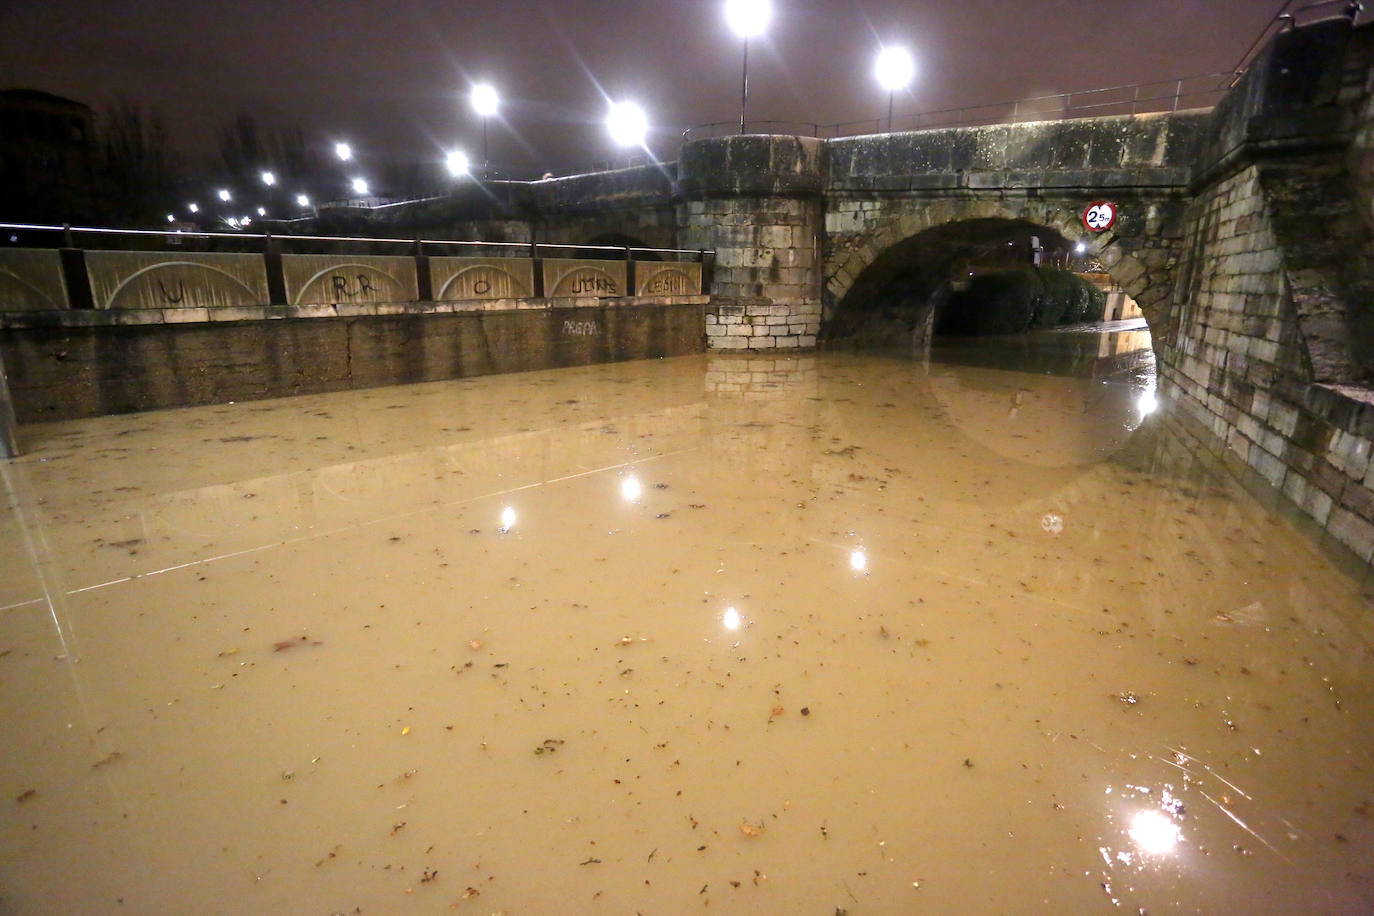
[(108, 759), (550, 745), (1128, 698), (285, 644), (24, 796)]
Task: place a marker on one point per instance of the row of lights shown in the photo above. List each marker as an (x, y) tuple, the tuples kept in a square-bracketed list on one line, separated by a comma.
[(626, 121)]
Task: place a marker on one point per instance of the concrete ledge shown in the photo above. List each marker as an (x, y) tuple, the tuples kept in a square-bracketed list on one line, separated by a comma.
[(88, 318), (83, 364)]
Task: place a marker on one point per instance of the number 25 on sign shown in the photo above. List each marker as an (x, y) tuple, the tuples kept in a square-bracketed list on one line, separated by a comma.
[(1100, 217)]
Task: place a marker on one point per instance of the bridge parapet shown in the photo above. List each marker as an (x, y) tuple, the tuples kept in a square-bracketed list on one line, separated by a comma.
[(1132, 151)]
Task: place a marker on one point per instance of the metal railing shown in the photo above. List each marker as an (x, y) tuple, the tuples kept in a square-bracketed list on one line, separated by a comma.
[(66, 236), (1157, 96)]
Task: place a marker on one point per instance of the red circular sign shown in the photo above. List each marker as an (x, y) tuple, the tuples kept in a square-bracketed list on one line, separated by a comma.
[(1100, 216)]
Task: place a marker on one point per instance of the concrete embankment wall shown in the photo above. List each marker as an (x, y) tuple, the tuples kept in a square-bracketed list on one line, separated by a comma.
[(71, 364)]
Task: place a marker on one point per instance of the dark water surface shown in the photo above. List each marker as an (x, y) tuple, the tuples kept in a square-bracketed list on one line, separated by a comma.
[(710, 634)]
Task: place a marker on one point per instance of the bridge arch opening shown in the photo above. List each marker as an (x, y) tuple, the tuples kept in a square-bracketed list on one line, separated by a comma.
[(917, 287)]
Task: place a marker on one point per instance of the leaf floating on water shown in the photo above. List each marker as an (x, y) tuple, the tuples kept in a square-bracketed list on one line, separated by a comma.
[(549, 746), (109, 758), (590, 862), (25, 796), (471, 892), (285, 644)]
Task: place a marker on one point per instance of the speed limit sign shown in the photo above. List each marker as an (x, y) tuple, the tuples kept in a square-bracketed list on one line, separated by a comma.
[(1100, 217)]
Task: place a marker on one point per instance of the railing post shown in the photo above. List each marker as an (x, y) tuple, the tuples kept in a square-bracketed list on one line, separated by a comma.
[(629, 272), (276, 278), (9, 435), (423, 281), (1178, 94), (538, 271)]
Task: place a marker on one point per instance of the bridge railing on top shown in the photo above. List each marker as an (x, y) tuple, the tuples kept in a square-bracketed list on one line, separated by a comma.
[(43, 268), (1202, 91)]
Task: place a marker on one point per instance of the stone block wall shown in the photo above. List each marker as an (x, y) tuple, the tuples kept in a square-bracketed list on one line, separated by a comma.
[(757, 202), (1234, 357), (761, 324)]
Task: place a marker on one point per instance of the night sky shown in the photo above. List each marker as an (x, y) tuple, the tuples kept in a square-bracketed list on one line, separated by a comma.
[(392, 77)]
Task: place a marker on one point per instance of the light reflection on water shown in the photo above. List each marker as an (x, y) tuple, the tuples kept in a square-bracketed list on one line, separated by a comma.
[(773, 636)]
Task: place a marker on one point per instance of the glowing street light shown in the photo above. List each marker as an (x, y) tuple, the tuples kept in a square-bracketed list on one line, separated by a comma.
[(343, 151), (627, 124), (269, 179), (302, 200), (171, 217), (360, 186), (224, 195), (262, 211), (486, 103), (894, 70), (457, 162), (194, 208), (747, 19)]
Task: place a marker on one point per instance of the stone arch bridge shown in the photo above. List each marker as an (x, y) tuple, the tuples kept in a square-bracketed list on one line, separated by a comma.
[(1244, 233)]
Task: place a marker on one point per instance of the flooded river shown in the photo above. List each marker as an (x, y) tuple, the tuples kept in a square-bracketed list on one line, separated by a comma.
[(720, 634)]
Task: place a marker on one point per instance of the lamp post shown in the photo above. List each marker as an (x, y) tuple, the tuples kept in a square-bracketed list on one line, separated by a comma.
[(748, 19), (486, 103), (894, 70)]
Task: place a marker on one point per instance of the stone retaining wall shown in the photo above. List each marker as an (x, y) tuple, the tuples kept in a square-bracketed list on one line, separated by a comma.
[(70, 364)]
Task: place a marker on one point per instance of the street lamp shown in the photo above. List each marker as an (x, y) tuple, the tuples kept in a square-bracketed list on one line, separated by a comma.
[(302, 200), (360, 186), (894, 70), (224, 195), (343, 151), (486, 103), (457, 162), (748, 19), (269, 179), (627, 124)]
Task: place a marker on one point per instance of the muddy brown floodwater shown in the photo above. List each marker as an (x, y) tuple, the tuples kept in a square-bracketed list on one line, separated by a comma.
[(829, 634)]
